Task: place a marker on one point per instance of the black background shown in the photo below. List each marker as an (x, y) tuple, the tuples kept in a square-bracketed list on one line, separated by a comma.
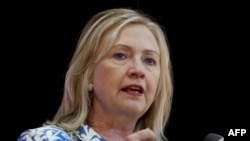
[(209, 52)]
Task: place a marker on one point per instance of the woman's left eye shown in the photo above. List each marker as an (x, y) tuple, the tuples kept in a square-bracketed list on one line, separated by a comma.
[(120, 56), (150, 61)]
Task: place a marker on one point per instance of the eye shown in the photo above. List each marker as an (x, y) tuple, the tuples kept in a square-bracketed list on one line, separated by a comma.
[(120, 56), (150, 61)]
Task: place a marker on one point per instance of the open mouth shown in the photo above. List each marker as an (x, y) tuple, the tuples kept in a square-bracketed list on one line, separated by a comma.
[(133, 89)]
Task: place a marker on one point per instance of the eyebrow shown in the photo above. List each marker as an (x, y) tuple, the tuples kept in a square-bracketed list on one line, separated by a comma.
[(127, 47)]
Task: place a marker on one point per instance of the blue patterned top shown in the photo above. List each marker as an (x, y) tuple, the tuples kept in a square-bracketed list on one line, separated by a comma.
[(54, 133)]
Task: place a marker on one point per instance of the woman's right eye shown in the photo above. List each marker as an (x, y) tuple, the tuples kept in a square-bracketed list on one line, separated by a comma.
[(120, 56)]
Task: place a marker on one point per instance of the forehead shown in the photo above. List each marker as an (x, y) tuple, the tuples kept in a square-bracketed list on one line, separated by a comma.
[(137, 35)]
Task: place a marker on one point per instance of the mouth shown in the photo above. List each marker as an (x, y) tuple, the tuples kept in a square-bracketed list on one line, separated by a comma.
[(134, 89)]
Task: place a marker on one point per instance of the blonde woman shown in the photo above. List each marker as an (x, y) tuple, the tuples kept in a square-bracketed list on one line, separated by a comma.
[(119, 83)]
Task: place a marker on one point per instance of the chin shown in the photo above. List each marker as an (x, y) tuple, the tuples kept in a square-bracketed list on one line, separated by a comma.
[(135, 110)]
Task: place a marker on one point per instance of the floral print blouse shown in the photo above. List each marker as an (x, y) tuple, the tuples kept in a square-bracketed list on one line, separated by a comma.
[(54, 133)]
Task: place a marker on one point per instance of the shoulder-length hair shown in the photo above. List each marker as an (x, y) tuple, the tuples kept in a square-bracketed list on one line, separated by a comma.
[(76, 102)]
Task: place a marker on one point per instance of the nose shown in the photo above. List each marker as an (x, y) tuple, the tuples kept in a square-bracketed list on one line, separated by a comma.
[(136, 69)]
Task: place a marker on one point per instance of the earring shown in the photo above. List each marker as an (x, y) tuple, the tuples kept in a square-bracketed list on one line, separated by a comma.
[(90, 87)]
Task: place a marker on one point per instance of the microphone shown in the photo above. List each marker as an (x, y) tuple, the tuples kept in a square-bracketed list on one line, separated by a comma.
[(213, 137)]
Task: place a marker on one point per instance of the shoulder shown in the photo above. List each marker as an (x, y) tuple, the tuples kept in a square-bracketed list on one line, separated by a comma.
[(44, 133)]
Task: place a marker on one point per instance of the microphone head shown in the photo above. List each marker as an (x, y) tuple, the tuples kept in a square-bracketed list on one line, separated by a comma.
[(213, 137)]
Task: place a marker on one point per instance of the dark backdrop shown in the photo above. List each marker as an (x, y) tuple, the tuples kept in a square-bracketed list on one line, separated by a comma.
[(208, 45)]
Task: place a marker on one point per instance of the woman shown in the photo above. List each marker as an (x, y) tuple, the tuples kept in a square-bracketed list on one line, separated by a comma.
[(118, 85)]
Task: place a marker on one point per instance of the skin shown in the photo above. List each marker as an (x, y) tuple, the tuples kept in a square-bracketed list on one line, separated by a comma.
[(134, 59), (143, 135)]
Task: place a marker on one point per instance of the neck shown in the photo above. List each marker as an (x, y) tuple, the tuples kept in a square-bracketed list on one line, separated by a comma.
[(110, 126)]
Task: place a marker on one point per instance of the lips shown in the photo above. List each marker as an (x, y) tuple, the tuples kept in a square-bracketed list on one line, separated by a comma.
[(133, 89)]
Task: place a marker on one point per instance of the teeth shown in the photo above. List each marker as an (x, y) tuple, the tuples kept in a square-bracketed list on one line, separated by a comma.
[(132, 90), (136, 88)]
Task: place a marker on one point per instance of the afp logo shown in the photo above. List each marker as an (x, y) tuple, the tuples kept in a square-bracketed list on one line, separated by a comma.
[(237, 132)]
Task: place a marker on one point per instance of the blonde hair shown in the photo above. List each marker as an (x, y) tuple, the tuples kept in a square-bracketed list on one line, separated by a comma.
[(76, 102)]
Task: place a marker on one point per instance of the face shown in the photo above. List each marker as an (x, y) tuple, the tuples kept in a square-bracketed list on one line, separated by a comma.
[(125, 81)]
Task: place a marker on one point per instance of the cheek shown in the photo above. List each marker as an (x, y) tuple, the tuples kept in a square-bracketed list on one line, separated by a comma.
[(99, 77), (153, 82), (105, 78), (156, 77), (99, 72)]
